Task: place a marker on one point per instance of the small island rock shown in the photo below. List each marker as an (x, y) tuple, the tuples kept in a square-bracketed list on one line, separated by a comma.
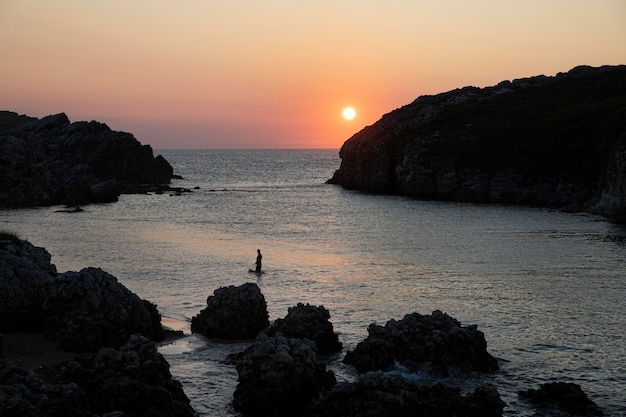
[(435, 344), (279, 376), (232, 312), (308, 322)]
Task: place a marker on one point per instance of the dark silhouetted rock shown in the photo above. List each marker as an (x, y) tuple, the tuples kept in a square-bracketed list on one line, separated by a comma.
[(537, 141), (90, 309), (134, 379), (79, 311), (23, 394), (376, 394), (52, 161), (23, 270), (435, 344), (567, 396), (279, 376), (233, 313), (308, 322)]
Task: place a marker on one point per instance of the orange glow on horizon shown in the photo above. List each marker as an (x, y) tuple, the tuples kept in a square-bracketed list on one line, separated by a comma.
[(262, 75)]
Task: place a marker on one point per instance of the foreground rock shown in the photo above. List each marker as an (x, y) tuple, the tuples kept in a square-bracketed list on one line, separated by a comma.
[(23, 270), (549, 141), (568, 397), (235, 313), (90, 309), (436, 344), (376, 394), (80, 311), (308, 322), (52, 161), (132, 381), (279, 376), (22, 394)]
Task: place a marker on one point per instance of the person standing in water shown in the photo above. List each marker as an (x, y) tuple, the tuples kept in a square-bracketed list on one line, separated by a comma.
[(259, 257)]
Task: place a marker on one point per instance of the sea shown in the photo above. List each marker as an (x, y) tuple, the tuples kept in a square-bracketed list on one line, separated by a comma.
[(547, 288)]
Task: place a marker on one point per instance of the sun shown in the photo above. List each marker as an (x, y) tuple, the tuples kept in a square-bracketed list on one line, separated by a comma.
[(349, 113)]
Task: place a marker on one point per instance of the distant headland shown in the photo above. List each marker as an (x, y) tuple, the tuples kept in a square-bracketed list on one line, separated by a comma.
[(542, 141), (51, 161)]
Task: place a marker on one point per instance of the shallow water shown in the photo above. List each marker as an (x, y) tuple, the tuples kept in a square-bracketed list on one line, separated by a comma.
[(547, 288)]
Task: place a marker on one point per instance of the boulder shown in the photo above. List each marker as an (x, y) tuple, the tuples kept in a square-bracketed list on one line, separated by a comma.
[(566, 396), (308, 322), (90, 309), (52, 161), (23, 269), (232, 312), (435, 344), (23, 394), (279, 376), (376, 394), (134, 379)]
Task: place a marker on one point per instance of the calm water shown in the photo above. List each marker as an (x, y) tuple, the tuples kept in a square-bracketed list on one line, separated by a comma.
[(546, 288)]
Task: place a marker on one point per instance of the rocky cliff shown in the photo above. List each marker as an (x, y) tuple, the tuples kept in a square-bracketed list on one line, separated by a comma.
[(547, 141), (51, 161)]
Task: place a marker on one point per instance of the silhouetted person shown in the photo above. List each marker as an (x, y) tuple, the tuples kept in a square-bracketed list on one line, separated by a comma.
[(258, 260)]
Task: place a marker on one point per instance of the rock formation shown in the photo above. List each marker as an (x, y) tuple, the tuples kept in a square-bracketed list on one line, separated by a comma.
[(233, 313), (279, 376), (132, 381), (79, 311), (23, 270), (90, 309), (52, 161), (23, 394), (435, 344), (308, 322), (377, 394), (566, 396), (547, 141)]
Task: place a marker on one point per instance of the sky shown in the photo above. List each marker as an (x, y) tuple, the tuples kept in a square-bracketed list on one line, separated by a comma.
[(279, 73)]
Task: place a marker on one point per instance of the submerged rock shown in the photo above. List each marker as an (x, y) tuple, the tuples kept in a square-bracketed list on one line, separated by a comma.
[(308, 322), (436, 344), (567, 396), (377, 394), (279, 376), (233, 313)]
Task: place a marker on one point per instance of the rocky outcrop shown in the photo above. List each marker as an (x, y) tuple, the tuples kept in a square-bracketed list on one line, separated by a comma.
[(280, 376), (547, 141), (377, 394), (435, 344), (23, 270), (90, 309), (134, 379), (52, 161), (23, 394), (308, 322), (80, 311), (232, 312), (566, 396), (613, 201)]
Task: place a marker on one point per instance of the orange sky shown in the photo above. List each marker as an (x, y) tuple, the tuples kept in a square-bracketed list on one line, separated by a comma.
[(277, 73)]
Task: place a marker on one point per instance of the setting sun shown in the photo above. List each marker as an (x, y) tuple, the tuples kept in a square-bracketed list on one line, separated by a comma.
[(349, 113)]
